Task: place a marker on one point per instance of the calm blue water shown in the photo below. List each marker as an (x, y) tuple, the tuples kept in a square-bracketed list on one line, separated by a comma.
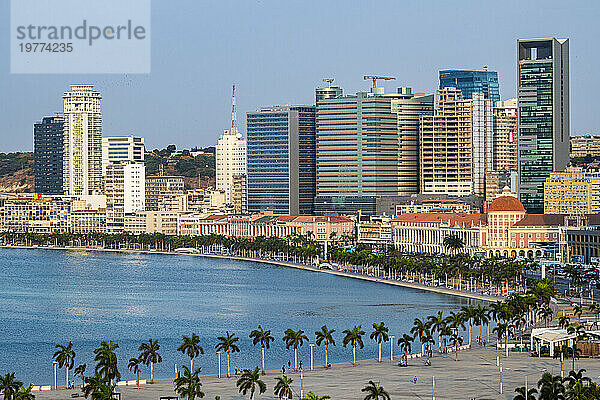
[(51, 296)]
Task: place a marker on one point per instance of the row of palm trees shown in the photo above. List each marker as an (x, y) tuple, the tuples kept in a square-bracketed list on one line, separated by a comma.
[(575, 386), (303, 248), (188, 385)]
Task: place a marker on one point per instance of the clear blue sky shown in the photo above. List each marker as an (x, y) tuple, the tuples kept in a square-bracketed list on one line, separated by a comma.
[(277, 52)]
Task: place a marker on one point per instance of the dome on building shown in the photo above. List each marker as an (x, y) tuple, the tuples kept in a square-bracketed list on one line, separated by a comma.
[(506, 202)]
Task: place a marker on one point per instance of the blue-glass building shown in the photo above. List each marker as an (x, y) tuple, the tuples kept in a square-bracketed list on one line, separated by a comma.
[(281, 151), (48, 155), (472, 81)]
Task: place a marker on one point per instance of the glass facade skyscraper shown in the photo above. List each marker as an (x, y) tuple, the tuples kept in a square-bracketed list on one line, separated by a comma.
[(472, 81), (48, 155), (281, 160), (543, 91)]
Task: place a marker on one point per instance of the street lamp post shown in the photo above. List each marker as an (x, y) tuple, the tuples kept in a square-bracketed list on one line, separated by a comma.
[(312, 345), (301, 384), (219, 354), (501, 379), (433, 384), (54, 363), (392, 348)]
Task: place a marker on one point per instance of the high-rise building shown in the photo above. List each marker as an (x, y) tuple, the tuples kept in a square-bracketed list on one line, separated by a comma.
[(505, 152), (82, 160), (483, 140), (573, 192), (116, 149), (367, 148), (472, 81), (583, 146), (160, 189), (230, 162), (281, 159), (446, 146), (125, 192), (543, 100), (48, 155)]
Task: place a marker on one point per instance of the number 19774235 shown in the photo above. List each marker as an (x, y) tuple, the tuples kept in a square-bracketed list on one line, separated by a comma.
[(40, 47)]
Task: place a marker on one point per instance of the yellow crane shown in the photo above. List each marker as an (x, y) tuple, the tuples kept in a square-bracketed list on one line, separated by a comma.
[(374, 78)]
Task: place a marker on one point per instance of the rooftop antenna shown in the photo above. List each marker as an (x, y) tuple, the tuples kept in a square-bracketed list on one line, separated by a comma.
[(234, 129), (329, 81)]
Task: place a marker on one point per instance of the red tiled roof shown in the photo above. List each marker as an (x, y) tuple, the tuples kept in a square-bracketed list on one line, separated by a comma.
[(462, 219), (542, 220), (506, 203)]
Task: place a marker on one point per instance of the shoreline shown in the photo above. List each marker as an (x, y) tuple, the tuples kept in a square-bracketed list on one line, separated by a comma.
[(410, 285)]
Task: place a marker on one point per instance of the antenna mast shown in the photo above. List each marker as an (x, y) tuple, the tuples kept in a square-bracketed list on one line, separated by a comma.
[(234, 130)]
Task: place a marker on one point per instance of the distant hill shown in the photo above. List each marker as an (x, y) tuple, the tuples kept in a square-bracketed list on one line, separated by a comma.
[(16, 172), (197, 166)]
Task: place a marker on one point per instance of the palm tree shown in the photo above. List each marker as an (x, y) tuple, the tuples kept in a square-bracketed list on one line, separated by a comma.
[(437, 323), (227, 345), (80, 370), (405, 343), (551, 387), (577, 377), (294, 339), (106, 361), (502, 330), (453, 243), (354, 337), (469, 313), (188, 384), (580, 333), (379, 334), (480, 318), (64, 356), (9, 386), (521, 393), (283, 387), (419, 330), (456, 341), (98, 387), (24, 393), (264, 338), (325, 336), (134, 366), (375, 392), (191, 347), (149, 355), (313, 396), (563, 321), (249, 380)]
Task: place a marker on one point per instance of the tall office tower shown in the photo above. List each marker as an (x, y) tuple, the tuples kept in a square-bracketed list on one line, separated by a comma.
[(472, 81), (48, 155), (483, 141), (160, 189), (505, 148), (281, 159), (446, 146), (117, 149), (367, 148), (125, 191), (409, 108), (543, 99), (230, 162), (82, 160)]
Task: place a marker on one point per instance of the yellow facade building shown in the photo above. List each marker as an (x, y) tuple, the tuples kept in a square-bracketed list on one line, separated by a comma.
[(572, 192)]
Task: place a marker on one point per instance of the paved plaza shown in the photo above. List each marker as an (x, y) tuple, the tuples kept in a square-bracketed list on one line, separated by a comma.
[(474, 376)]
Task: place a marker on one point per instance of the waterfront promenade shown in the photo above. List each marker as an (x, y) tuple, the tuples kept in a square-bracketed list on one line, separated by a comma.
[(474, 376), (394, 282)]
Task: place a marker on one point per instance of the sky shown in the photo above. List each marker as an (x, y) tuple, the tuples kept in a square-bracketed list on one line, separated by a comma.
[(277, 52)]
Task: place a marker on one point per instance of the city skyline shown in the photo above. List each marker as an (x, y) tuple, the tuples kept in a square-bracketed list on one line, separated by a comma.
[(202, 112)]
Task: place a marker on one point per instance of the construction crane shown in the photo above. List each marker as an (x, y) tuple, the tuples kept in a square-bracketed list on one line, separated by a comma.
[(374, 78), (329, 81)]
